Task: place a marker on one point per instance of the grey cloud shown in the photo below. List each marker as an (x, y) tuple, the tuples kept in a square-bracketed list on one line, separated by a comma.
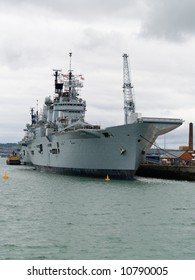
[(93, 39), (169, 19), (80, 9)]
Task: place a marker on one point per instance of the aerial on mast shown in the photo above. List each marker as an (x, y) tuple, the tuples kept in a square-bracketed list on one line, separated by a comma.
[(129, 104), (70, 55), (70, 70)]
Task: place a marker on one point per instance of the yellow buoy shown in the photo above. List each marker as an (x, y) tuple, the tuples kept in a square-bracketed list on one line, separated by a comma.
[(5, 176), (107, 178)]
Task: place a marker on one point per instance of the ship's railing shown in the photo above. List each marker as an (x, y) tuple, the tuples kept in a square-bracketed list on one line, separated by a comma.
[(161, 120)]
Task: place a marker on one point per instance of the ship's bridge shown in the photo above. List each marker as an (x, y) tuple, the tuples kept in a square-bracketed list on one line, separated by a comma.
[(70, 106)]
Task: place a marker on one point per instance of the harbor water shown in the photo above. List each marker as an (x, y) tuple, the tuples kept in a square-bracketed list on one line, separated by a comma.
[(47, 216)]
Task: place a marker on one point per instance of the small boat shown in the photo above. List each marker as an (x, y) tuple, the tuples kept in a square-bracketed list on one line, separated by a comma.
[(13, 159)]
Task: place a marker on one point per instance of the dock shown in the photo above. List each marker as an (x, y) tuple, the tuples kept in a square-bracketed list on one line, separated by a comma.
[(170, 164), (173, 172)]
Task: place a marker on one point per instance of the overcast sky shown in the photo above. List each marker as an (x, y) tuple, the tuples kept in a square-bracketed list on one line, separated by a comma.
[(158, 35)]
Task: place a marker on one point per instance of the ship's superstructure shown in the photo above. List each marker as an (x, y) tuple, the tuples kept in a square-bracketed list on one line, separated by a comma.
[(59, 140)]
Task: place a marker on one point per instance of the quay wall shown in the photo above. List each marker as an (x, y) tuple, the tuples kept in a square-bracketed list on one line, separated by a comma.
[(173, 172)]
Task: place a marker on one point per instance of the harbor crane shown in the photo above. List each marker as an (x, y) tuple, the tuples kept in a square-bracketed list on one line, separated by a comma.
[(129, 104)]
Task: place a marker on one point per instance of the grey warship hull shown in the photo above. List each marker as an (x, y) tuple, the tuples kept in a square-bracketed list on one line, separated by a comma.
[(114, 151)]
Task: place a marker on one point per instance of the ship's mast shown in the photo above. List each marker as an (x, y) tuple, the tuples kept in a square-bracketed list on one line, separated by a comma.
[(58, 86), (70, 55), (70, 72), (129, 104)]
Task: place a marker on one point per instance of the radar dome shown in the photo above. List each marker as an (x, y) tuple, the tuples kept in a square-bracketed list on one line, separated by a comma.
[(48, 100)]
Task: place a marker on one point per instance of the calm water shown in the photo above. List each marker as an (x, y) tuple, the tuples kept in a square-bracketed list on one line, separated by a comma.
[(48, 216)]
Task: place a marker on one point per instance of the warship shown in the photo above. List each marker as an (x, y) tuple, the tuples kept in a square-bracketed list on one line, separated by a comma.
[(59, 140)]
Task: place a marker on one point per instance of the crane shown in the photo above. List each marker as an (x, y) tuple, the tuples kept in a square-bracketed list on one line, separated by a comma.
[(129, 104)]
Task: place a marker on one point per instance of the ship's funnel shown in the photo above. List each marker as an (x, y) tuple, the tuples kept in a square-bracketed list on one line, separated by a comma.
[(191, 137)]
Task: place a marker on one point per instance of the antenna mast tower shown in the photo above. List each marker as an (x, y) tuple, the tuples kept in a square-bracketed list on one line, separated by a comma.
[(129, 105)]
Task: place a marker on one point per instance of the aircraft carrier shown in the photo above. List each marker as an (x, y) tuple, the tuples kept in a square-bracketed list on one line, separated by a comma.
[(60, 140)]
